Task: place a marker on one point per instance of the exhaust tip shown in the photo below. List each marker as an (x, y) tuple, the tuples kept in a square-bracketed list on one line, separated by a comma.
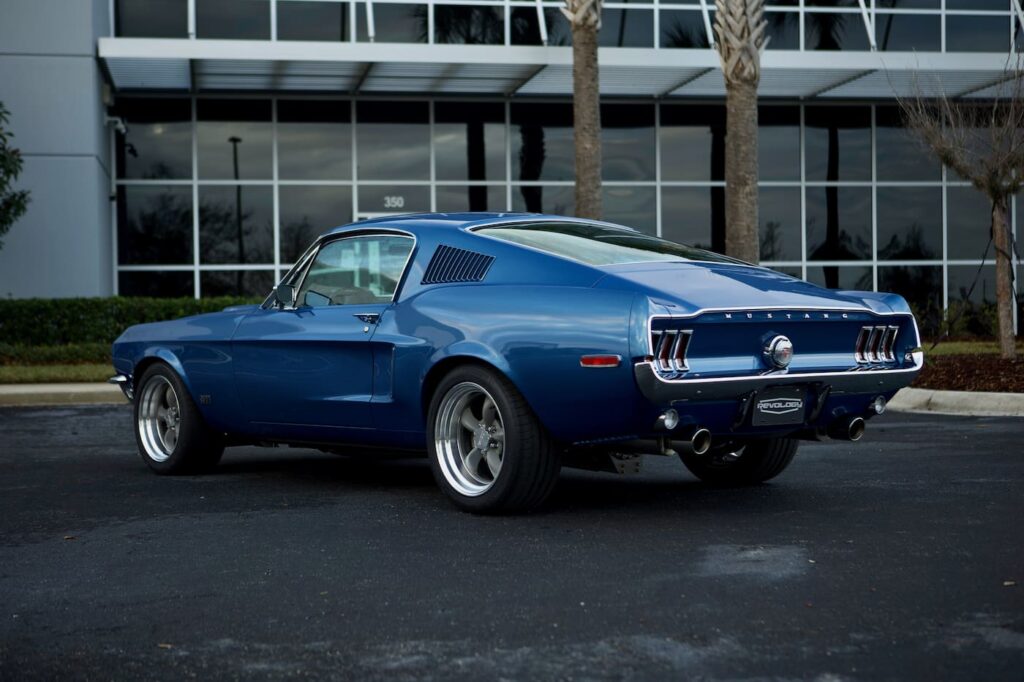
[(855, 430), (701, 441)]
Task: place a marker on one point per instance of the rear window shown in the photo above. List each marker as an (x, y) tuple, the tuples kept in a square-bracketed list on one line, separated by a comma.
[(599, 244)]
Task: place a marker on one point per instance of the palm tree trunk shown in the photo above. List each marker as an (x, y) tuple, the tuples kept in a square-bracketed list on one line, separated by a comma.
[(1004, 277), (586, 112), (741, 171)]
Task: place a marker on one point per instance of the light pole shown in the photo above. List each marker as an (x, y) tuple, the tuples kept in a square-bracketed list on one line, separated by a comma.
[(235, 141)]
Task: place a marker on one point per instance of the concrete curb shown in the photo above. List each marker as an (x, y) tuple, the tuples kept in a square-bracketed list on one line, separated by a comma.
[(965, 403), (968, 403), (61, 394)]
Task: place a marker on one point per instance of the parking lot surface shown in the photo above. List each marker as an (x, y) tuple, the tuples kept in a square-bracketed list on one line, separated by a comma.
[(899, 557)]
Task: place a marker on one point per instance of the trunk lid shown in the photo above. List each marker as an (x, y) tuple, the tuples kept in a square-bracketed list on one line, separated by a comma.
[(691, 287)]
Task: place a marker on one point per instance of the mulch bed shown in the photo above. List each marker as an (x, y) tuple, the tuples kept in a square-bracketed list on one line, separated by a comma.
[(972, 373)]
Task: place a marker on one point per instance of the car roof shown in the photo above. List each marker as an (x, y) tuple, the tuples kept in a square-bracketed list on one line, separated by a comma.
[(462, 221)]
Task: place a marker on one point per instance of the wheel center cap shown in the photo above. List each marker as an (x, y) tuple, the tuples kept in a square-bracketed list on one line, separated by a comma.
[(481, 439)]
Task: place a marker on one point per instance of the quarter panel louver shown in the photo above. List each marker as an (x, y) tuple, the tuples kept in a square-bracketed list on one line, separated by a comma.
[(449, 264)]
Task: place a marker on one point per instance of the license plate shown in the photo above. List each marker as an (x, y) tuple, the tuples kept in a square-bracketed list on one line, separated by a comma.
[(780, 406)]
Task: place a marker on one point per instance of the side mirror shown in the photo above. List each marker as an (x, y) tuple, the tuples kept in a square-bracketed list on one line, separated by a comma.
[(284, 296)]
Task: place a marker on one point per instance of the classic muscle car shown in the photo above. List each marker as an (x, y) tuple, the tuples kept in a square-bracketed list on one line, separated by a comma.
[(510, 345)]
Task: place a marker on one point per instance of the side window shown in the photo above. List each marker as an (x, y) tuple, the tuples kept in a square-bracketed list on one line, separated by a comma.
[(356, 270)]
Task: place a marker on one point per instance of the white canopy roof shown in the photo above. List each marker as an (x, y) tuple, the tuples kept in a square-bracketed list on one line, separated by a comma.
[(143, 64)]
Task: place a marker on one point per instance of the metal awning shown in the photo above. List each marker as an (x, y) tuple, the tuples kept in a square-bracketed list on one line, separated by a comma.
[(199, 65)]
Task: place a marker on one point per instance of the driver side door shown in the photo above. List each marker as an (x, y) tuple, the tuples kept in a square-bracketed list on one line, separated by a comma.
[(306, 371)]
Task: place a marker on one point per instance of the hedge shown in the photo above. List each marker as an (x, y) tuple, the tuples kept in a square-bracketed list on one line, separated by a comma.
[(62, 321), (66, 354)]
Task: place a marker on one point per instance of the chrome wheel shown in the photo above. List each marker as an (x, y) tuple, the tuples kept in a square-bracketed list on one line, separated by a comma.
[(159, 420), (469, 439)]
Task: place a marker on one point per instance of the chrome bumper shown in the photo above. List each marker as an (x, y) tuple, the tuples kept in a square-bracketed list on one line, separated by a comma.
[(124, 382), (663, 391)]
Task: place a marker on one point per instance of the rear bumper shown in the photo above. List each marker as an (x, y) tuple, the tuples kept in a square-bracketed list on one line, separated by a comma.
[(665, 392)]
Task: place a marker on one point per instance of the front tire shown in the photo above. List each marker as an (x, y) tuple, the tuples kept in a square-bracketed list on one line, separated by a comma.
[(170, 431), (756, 462), (489, 453)]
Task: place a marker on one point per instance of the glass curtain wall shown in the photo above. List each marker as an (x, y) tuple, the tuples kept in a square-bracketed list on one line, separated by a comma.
[(220, 196), (898, 25)]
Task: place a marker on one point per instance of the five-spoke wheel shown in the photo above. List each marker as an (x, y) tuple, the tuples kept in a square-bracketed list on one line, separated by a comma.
[(470, 436), (159, 418), (170, 431), (488, 451)]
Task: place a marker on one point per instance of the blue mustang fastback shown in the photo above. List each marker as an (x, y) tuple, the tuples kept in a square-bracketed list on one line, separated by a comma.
[(510, 345)]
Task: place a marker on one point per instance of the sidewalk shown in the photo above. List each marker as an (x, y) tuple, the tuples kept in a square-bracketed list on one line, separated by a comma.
[(965, 403), (60, 394)]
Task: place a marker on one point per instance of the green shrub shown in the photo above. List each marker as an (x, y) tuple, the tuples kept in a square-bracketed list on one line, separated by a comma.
[(64, 321), (70, 353)]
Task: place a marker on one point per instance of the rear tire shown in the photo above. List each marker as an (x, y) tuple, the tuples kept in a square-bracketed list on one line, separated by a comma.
[(756, 462), (489, 453), (170, 431)]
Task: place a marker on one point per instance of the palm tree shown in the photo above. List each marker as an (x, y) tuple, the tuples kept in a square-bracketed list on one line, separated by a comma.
[(585, 19), (740, 30)]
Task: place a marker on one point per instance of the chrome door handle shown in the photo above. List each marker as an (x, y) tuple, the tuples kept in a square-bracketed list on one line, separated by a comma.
[(368, 318)]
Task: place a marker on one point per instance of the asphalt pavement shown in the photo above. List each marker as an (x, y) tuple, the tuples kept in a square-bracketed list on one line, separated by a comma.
[(897, 558)]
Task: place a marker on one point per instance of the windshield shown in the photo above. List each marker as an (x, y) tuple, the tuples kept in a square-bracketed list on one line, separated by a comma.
[(599, 244)]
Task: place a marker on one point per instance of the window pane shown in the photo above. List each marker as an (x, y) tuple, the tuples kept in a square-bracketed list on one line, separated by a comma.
[(472, 198), (250, 283), (977, 34), (909, 223), (308, 212), (542, 143), (465, 24), (154, 225), (627, 142), (152, 18), (921, 285), (909, 4), (835, 31), (783, 30), (357, 270), (838, 223), (469, 141), (900, 155), (968, 223), (778, 141), (158, 144), (159, 284), (236, 224), (683, 29), (393, 139), (314, 140), (694, 216), (626, 28), (634, 207), (378, 199), (779, 213), (693, 142), (838, 143), (393, 23), (233, 19), (326, 21), (525, 30), (972, 309), (908, 32), (977, 4), (234, 139), (854, 278), (555, 200)]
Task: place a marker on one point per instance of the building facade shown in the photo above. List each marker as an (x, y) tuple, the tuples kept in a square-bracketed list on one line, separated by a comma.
[(195, 147)]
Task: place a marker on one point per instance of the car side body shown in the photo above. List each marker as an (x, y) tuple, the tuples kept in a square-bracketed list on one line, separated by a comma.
[(689, 335)]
